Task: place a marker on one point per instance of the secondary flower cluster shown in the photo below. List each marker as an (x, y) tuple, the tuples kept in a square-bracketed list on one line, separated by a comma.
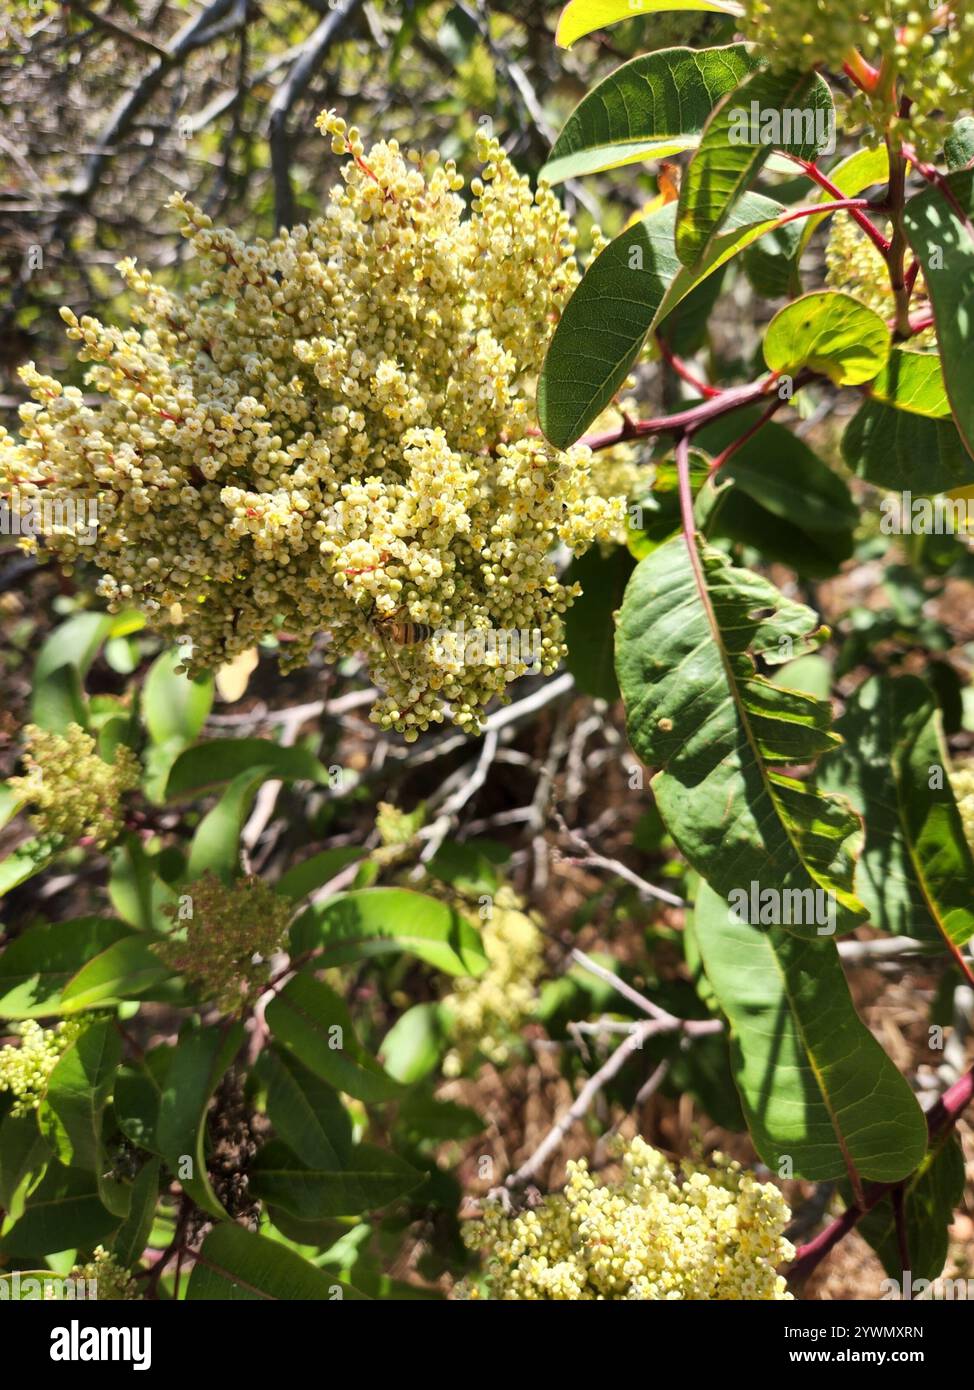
[(74, 794), (708, 1233), (230, 933), (111, 1279), (930, 49), (856, 266), (487, 1013), (333, 431), (26, 1068), (962, 782)]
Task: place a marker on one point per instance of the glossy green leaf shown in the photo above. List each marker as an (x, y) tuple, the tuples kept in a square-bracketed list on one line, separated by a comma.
[(913, 381), (898, 450), (816, 1086), (78, 1089), (580, 17), (28, 859), (137, 892), (173, 706), (368, 1179), (831, 333), (628, 289), (199, 1060), (590, 622), (58, 701), (940, 231), (719, 733), (377, 921), (930, 1201), (414, 1044), (305, 1111), (314, 1022), (730, 157), (24, 1156), (783, 499), (35, 967), (312, 873), (959, 145), (63, 1213), (133, 1234), (916, 874), (62, 663), (222, 759), (215, 847), (236, 1264), (127, 969), (654, 106)]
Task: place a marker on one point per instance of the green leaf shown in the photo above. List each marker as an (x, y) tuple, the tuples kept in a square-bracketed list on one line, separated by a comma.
[(25, 861), (590, 622), (128, 969), (138, 1096), (137, 892), (915, 873), (897, 450), (368, 1179), (470, 867), (783, 500), (10, 803), (63, 1213), (59, 701), (222, 759), (913, 381), (626, 291), (832, 333), (305, 1111), (580, 17), (314, 1022), (930, 1200), (697, 710), (236, 1264), (24, 1156), (36, 966), (133, 1234), (816, 1086), (413, 1045), (311, 873), (215, 847), (959, 145), (375, 921), (729, 158), (173, 706), (649, 108), (939, 230), (62, 664), (199, 1060), (78, 1089)]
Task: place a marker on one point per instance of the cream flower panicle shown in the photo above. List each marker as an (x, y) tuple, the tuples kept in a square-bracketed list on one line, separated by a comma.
[(706, 1233), (333, 431)]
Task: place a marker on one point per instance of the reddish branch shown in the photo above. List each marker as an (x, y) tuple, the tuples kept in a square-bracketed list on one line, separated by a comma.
[(941, 1118)]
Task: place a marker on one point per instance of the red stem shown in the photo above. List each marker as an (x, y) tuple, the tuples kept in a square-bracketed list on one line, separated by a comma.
[(682, 370), (941, 1116), (823, 181)]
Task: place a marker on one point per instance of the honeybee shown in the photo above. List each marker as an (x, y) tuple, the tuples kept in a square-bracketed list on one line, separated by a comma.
[(389, 629)]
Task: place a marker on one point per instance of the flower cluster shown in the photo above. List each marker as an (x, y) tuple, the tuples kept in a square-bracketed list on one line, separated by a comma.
[(230, 933), (112, 1280), (962, 782), (925, 52), (855, 265), (74, 794), (333, 431), (705, 1234), (486, 1013), (25, 1068)]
